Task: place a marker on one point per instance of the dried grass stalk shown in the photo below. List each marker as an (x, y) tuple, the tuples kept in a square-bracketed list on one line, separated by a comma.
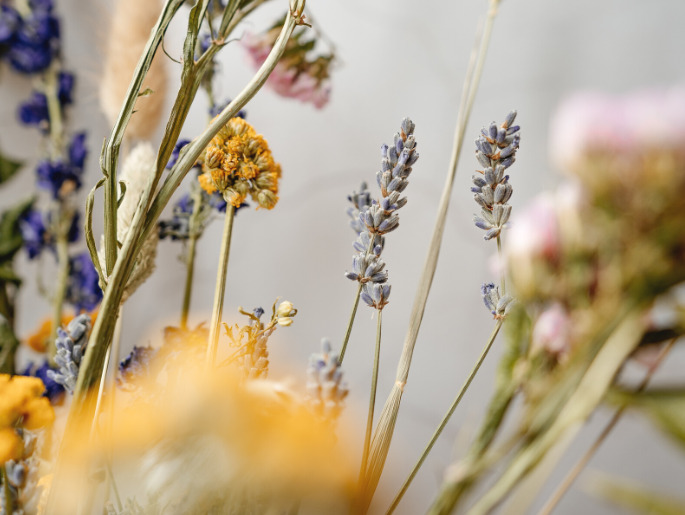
[(132, 21)]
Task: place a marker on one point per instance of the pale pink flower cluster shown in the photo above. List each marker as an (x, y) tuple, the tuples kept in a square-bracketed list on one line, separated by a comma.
[(552, 332), (592, 121), (285, 80)]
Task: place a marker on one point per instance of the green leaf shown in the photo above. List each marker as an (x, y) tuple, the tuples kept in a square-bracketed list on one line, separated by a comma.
[(8, 275), (10, 235), (666, 408), (636, 498), (8, 167), (8, 347)]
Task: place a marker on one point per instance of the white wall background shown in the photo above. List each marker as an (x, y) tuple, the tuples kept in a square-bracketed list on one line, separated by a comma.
[(397, 58)]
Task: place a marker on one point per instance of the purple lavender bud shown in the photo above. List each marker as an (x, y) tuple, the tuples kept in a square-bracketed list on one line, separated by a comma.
[(399, 144), (513, 130), (501, 134), (483, 159), (367, 299), (413, 158), (408, 126), (492, 131), (506, 163), (481, 224), (393, 156), (384, 151), (489, 176), (478, 180), (480, 200), (486, 291), (509, 119), (389, 224), (352, 276), (492, 233)]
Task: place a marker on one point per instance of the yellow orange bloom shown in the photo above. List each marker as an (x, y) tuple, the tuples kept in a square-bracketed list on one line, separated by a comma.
[(237, 163), (21, 405)]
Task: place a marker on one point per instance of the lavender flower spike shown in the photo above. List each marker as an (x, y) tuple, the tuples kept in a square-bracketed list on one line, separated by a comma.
[(497, 305), (326, 389), (70, 348), (373, 219), (496, 151)]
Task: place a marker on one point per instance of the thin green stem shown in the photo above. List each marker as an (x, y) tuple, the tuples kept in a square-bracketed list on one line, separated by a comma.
[(392, 405), (350, 322), (372, 398), (220, 288), (447, 416), (54, 111), (190, 269), (353, 315), (500, 257), (573, 474)]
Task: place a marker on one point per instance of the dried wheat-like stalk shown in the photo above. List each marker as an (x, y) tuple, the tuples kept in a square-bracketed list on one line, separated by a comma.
[(132, 21)]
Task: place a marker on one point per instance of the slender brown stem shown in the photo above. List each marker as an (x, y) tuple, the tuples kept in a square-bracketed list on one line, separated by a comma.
[(220, 287), (573, 474)]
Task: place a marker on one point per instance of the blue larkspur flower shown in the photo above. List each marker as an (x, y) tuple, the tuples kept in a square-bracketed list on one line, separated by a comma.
[(9, 23), (175, 153), (35, 40), (35, 111), (83, 288), (34, 233), (53, 390), (217, 108), (61, 177), (136, 365)]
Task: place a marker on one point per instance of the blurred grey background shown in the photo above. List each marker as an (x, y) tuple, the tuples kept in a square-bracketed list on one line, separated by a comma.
[(396, 58)]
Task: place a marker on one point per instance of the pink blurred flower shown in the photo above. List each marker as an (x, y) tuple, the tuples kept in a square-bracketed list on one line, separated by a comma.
[(590, 121), (552, 331), (535, 230), (298, 78)]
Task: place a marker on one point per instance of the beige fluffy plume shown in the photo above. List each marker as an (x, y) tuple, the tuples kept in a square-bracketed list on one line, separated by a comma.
[(136, 172), (132, 21)]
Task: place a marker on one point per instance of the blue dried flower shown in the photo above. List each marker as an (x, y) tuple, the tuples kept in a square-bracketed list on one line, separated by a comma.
[(326, 389), (71, 346), (53, 390), (375, 218), (496, 304), (62, 177), (35, 40), (217, 108), (178, 226), (136, 366), (496, 151), (9, 23), (34, 233), (175, 152), (35, 111), (83, 288)]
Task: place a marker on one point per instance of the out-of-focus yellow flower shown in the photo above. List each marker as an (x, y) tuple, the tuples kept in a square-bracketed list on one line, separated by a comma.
[(237, 163), (40, 339), (202, 442), (21, 405)]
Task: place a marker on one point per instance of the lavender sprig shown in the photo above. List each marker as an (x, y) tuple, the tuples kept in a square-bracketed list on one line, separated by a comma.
[(373, 219), (496, 303), (326, 389), (70, 348), (496, 151), (379, 217)]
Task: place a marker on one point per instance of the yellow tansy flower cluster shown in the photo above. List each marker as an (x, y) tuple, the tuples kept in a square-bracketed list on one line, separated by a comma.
[(21, 406), (238, 162)]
